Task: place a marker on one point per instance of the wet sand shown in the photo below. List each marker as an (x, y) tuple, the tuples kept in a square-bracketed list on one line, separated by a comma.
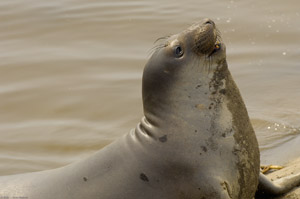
[(290, 168)]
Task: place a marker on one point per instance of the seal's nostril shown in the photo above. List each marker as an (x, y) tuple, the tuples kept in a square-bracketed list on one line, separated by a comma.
[(208, 21)]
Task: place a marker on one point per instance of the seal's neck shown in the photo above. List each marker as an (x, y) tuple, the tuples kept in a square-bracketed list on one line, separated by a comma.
[(181, 105)]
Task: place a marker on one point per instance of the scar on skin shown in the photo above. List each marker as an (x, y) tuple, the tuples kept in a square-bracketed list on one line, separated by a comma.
[(200, 106)]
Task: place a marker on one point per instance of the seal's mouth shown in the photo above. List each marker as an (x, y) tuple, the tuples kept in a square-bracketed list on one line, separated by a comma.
[(216, 48), (207, 38)]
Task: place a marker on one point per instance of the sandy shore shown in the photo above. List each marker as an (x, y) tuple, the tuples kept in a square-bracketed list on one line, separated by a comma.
[(289, 169)]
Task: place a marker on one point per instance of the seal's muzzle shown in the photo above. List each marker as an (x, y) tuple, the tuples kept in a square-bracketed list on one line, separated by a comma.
[(206, 37)]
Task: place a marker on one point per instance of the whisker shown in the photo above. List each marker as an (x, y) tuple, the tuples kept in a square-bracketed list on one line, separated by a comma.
[(210, 64), (195, 62), (161, 44), (155, 48), (198, 64), (208, 60), (219, 38), (162, 38), (207, 64)]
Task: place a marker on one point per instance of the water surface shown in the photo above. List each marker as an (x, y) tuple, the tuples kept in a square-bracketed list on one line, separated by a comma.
[(70, 72)]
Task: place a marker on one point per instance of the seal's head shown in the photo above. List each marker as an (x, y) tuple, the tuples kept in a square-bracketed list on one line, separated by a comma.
[(196, 118), (182, 61)]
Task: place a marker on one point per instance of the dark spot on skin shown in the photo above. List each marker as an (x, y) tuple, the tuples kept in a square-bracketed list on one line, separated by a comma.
[(198, 86), (199, 188), (189, 96), (195, 131), (205, 93), (222, 91), (163, 138), (209, 107), (236, 151), (223, 134), (144, 177), (204, 148), (223, 185), (85, 179)]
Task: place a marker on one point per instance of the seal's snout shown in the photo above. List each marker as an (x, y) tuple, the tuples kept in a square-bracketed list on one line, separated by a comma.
[(205, 37), (208, 21)]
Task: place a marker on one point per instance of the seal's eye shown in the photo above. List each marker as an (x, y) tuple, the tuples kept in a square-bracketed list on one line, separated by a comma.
[(178, 51)]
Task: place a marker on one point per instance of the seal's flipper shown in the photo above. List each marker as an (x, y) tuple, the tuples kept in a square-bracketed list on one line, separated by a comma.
[(266, 168), (277, 187)]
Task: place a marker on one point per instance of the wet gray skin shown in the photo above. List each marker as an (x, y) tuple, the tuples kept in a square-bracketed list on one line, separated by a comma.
[(193, 101), (195, 141)]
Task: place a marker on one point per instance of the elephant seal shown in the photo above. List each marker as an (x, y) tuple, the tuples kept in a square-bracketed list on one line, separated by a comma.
[(195, 140)]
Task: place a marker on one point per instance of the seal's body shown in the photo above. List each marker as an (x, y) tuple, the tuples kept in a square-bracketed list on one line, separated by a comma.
[(194, 142)]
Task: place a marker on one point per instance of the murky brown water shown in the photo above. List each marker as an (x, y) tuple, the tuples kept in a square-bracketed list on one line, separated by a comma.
[(70, 72)]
